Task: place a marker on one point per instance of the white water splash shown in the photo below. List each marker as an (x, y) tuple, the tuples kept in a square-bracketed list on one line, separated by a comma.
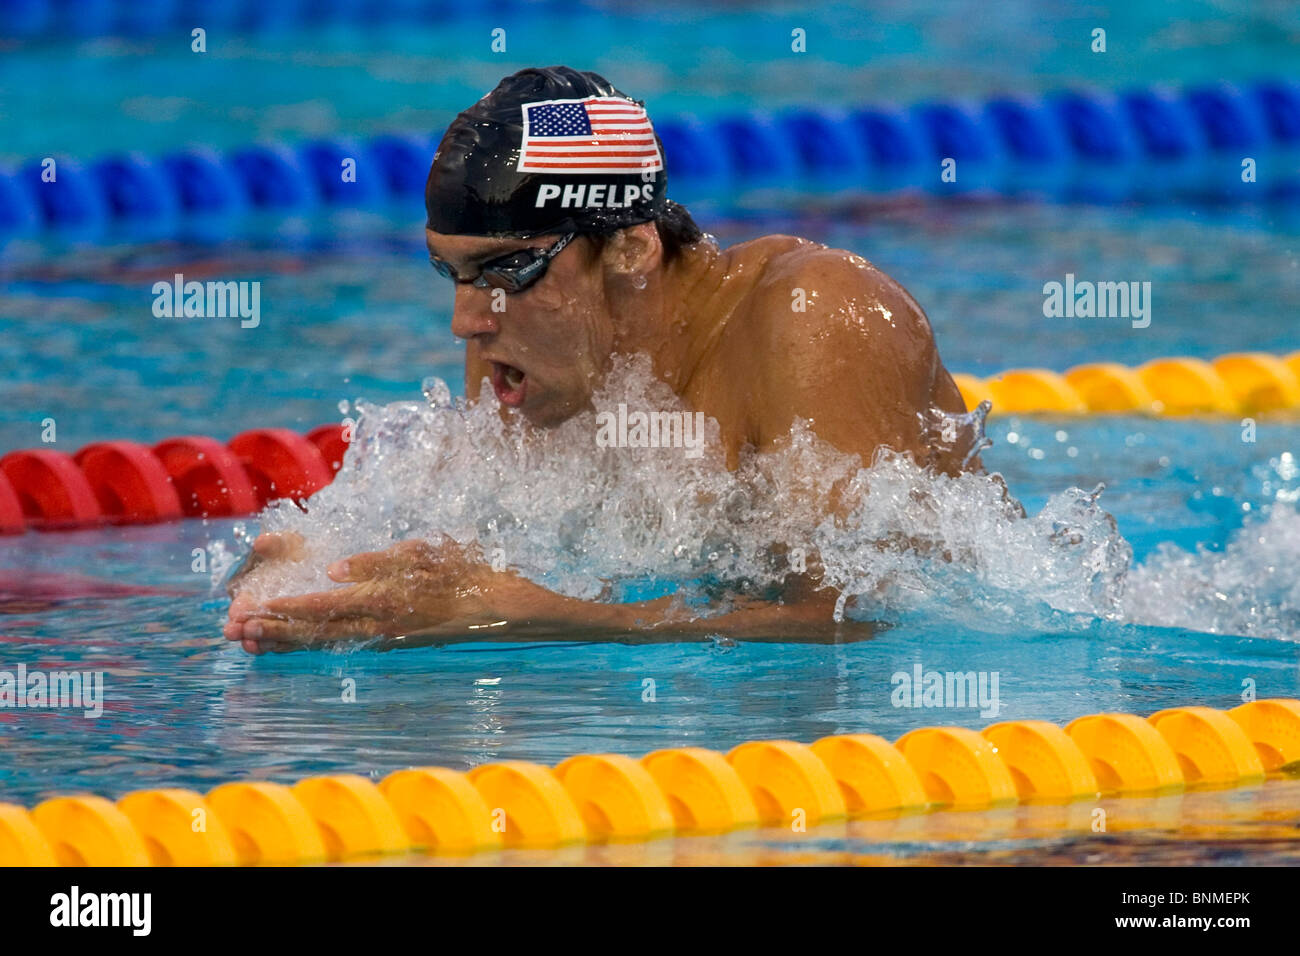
[(1251, 587), (600, 523)]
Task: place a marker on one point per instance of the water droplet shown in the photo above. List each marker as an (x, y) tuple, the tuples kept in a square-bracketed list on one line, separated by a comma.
[(436, 392)]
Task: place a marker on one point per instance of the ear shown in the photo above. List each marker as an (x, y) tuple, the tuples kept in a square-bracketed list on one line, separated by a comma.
[(635, 250)]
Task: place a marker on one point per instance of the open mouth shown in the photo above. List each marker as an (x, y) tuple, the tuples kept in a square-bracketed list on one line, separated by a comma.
[(509, 383)]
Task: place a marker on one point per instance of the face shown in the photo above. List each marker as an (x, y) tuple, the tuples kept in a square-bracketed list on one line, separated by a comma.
[(544, 348)]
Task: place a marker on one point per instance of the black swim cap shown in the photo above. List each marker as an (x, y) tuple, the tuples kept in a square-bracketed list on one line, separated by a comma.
[(549, 150)]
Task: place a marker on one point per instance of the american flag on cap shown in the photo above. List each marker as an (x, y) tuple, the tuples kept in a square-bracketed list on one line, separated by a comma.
[(599, 134)]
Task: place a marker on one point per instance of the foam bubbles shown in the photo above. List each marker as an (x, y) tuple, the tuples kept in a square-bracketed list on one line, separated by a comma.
[(603, 523), (1250, 587)]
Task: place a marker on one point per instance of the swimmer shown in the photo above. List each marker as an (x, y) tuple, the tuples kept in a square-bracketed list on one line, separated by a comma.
[(547, 208)]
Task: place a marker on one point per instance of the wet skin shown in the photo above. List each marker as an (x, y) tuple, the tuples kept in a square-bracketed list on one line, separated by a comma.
[(724, 329)]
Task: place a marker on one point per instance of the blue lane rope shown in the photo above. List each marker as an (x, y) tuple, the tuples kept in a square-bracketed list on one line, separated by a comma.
[(1070, 145)]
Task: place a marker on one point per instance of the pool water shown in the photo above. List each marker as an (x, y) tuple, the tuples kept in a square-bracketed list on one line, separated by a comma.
[(367, 318), (351, 310), (151, 93)]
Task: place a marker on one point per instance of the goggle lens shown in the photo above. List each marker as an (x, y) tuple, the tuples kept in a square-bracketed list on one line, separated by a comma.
[(527, 266)]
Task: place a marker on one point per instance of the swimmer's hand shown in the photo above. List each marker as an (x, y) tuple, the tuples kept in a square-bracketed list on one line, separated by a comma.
[(413, 589), (269, 551), (422, 593)]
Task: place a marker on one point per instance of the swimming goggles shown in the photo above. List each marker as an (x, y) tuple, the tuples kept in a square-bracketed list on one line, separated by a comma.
[(514, 272)]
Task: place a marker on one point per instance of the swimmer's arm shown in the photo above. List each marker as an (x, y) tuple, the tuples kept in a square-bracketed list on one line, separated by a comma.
[(531, 612), (418, 593)]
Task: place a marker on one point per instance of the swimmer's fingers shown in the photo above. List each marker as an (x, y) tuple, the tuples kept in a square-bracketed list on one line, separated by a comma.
[(272, 546), (252, 561), (242, 607), (280, 636), (280, 546), (353, 602), (237, 631), (322, 606), (405, 556), (317, 606), (257, 648)]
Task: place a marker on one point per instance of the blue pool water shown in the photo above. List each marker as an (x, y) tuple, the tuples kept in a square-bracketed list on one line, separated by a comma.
[(352, 311), (152, 93), (367, 319)]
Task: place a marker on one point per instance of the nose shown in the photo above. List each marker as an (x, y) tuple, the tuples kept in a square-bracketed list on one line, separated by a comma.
[(472, 313)]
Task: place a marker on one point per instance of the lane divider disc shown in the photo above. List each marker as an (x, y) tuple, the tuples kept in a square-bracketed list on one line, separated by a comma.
[(1034, 390), (281, 464), (528, 804), (1184, 386), (1273, 726), (704, 792), (209, 478), (89, 831), (129, 482), (267, 823), (1211, 747), (51, 489), (617, 797), (873, 775), (1292, 361), (1259, 382), (1110, 387), (178, 828), (353, 816), (440, 810), (1126, 753), (785, 778), (329, 439), (21, 842), (11, 510), (1044, 763), (957, 767)]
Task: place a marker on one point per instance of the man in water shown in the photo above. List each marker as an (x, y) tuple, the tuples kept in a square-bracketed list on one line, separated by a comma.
[(546, 206)]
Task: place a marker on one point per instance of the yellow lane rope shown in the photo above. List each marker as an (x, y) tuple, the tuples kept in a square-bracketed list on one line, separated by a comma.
[(1242, 383), (602, 798)]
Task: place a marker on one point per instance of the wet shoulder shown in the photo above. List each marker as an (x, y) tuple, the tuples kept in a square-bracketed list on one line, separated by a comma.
[(756, 265), (798, 288)]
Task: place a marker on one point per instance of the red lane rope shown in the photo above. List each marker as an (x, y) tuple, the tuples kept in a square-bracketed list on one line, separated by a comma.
[(125, 482), (209, 478), (52, 491), (281, 464), (129, 482)]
